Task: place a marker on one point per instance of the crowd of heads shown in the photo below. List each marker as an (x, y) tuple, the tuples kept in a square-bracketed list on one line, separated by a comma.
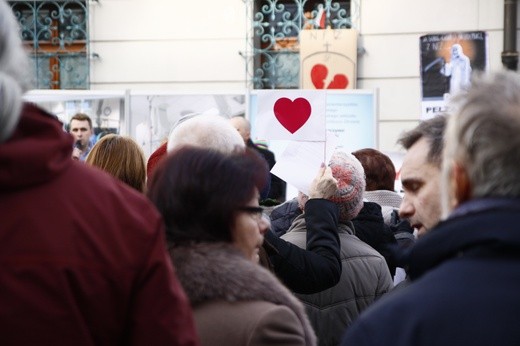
[(206, 183)]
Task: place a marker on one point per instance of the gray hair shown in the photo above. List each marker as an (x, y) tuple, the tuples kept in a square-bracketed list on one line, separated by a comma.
[(433, 131), (244, 122), (208, 131), (14, 71), (483, 135)]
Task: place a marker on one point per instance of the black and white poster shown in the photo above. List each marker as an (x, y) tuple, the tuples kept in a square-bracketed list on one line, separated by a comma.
[(447, 63)]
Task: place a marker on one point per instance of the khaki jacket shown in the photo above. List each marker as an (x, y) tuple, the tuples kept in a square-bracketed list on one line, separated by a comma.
[(364, 278)]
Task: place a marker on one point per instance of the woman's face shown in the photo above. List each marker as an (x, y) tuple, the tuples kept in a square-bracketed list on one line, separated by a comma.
[(249, 229)]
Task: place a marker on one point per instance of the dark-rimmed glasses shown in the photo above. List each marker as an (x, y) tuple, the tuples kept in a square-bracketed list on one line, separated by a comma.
[(256, 212)]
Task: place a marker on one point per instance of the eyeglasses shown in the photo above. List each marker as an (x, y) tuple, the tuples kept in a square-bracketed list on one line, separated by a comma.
[(256, 212)]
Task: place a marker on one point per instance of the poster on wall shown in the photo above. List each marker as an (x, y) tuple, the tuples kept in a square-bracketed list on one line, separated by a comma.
[(447, 63), (328, 59)]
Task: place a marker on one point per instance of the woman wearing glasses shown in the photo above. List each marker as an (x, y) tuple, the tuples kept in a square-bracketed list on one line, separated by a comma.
[(209, 201)]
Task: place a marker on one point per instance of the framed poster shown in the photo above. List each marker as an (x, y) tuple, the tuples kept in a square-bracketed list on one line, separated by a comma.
[(447, 62)]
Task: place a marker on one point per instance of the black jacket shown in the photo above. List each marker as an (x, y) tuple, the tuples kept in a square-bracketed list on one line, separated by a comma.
[(319, 267), (277, 186), (465, 284), (370, 227)]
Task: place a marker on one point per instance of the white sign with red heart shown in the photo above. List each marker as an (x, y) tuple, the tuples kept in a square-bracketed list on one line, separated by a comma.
[(297, 115)]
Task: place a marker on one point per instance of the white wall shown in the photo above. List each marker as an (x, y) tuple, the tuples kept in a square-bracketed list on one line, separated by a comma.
[(194, 45), (175, 45)]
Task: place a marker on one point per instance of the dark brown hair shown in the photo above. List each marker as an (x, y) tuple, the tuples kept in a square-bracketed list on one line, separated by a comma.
[(431, 129), (198, 191), (379, 169)]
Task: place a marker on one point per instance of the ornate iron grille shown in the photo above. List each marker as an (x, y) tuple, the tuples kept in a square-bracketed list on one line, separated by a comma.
[(56, 34), (272, 40)]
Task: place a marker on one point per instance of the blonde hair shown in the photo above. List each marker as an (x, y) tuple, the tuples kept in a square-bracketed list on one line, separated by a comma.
[(122, 158)]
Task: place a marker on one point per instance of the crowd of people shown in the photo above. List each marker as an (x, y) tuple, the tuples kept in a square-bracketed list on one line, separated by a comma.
[(103, 246)]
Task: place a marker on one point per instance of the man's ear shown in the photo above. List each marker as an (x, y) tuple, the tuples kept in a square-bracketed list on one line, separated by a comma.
[(461, 185)]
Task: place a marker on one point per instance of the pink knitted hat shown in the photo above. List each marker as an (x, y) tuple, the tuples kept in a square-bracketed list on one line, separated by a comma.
[(351, 184), (350, 175)]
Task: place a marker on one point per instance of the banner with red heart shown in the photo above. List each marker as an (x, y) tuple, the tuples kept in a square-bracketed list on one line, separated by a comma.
[(291, 115)]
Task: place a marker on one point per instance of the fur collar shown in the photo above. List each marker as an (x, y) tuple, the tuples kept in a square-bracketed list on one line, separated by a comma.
[(218, 271)]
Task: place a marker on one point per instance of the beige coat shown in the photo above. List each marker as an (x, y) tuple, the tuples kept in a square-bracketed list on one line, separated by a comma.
[(237, 302), (364, 278)]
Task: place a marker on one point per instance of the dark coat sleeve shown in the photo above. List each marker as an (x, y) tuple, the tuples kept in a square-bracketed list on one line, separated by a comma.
[(317, 268), (283, 215)]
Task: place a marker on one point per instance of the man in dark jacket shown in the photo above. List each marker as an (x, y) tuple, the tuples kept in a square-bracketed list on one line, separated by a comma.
[(464, 272), (277, 186), (83, 257)]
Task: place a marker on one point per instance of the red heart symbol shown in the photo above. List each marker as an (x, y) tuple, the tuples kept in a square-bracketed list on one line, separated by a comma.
[(340, 81), (318, 74), (292, 114)]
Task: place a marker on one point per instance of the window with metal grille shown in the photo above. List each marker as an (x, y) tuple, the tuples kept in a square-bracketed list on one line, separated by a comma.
[(56, 35), (273, 47)]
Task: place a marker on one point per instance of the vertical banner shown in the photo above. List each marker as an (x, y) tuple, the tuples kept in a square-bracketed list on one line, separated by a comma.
[(328, 59), (447, 61)]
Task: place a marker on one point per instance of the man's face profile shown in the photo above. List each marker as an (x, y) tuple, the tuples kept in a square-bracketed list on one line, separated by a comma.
[(420, 179)]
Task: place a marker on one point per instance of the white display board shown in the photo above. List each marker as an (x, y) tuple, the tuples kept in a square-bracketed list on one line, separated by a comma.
[(351, 115), (108, 109), (154, 113)]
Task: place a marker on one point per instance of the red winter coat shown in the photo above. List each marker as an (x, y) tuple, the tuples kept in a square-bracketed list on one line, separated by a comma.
[(82, 257)]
